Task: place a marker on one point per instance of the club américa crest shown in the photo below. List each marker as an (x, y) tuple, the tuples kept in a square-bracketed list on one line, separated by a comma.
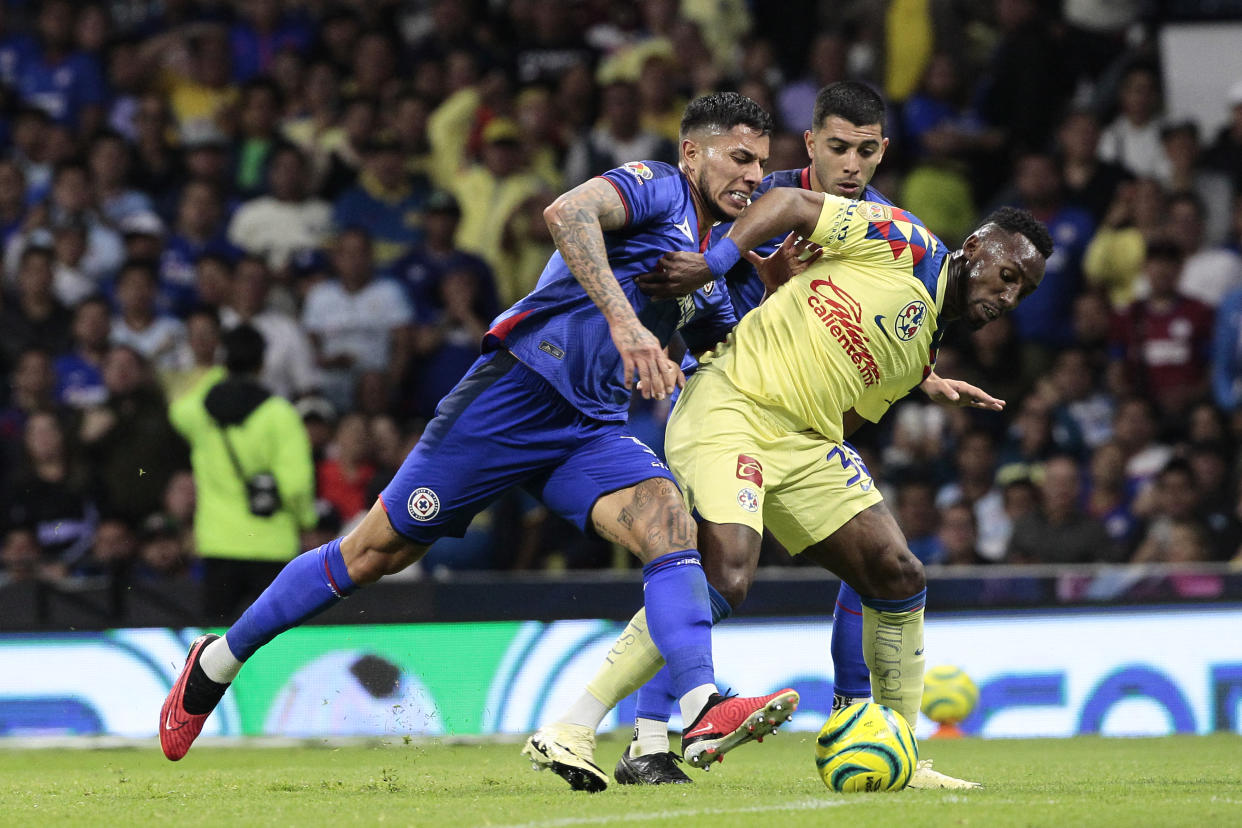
[(910, 320)]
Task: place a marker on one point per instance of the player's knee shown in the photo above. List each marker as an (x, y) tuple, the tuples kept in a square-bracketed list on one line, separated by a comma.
[(670, 528), (732, 583), (897, 573)]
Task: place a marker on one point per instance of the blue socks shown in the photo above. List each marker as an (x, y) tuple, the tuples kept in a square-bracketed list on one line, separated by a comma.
[(308, 585), (655, 698), (850, 676), (679, 618)]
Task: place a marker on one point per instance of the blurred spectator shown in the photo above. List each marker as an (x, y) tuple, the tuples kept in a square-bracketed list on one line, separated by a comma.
[(197, 358), (162, 553), (958, 537), (617, 137), (70, 283), (158, 165), (1060, 532), (545, 138), (21, 559), (424, 267), (312, 126), (52, 494), (1114, 258), (199, 229), (1133, 138), (1043, 320), (1227, 353), (527, 245), (1082, 414), (35, 318), (158, 337), (357, 323), (179, 497), (193, 64), (213, 279), (289, 368), (491, 192), (287, 220), (258, 123), (1212, 188), (109, 163), (1026, 81), (261, 31), (1165, 340), (1177, 506), (126, 81), (319, 418), (12, 199), (253, 477), (386, 201), (974, 485), (825, 64), (79, 380), (30, 387), (1090, 182), (30, 151), (344, 476), (65, 83), (1029, 440), (113, 551), (1109, 496), (359, 121), (1135, 432), (919, 519), (1225, 154), (128, 439), (1207, 273), (450, 343)]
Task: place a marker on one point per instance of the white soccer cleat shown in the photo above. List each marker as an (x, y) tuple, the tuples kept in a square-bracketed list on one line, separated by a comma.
[(926, 778), (568, 751)]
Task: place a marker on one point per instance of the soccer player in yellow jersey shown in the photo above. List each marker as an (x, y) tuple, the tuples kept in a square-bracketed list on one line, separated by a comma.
[(756, 438)]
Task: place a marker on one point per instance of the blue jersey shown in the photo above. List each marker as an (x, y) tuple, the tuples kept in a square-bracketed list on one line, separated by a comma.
[(559, 333), (745, 288)]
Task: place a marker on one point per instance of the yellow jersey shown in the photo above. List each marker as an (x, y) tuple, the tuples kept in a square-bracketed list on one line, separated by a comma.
[(858, 329)]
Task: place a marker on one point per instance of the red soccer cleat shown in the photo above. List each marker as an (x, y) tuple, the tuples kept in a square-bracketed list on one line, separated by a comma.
[(728, 721), (179, 729)]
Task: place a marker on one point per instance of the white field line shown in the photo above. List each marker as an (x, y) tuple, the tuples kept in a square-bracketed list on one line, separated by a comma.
[(804, 805)]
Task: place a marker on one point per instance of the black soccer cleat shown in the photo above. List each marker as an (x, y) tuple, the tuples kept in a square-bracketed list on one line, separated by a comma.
[(652, 769)]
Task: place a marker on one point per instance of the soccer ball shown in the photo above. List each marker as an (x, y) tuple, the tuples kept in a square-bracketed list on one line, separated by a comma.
[(866, 747), (948, 694)]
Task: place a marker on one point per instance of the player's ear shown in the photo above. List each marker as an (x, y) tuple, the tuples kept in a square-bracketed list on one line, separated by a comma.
[(690, 150), (971, 245), (808, 138)]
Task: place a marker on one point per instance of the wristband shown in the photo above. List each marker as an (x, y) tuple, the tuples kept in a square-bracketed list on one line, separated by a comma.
[(721, 257)]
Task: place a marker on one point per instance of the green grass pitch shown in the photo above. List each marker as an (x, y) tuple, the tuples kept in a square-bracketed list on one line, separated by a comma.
[(1191, 781)]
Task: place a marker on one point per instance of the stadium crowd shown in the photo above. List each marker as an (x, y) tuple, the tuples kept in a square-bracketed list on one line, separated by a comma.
[(364, 184)]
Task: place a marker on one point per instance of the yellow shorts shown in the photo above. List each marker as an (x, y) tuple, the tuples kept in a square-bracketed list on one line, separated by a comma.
[(741, 462)]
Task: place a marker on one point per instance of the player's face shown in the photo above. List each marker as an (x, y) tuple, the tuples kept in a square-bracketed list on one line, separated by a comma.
[(1002, 269), (844, 155), (725, 167)]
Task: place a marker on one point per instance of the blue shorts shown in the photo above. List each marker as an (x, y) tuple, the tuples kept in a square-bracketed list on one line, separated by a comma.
[(504, 425)]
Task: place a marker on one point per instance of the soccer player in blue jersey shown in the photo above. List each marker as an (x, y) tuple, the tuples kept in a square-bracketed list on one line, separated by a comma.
[(545, 407), (845, 145)]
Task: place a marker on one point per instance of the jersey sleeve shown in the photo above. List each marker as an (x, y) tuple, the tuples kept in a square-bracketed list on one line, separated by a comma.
[(648, 189), (713, 321), (855, 228)]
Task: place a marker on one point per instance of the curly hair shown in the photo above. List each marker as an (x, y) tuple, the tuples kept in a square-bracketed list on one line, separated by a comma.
[(1023, 223)]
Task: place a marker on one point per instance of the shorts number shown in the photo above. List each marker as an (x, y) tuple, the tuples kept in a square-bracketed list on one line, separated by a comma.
[(853, 465)]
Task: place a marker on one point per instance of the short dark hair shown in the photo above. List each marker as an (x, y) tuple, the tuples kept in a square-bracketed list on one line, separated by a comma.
[(243, 350), (724, 111), (1023, 223), (855, 102)]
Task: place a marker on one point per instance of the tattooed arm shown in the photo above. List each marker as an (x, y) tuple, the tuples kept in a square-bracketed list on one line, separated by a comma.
[(577, 221)]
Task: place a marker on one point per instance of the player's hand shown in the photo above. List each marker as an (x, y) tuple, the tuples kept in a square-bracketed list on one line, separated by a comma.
[(794, 255), (959, 394), (644, 359), (678, 273)]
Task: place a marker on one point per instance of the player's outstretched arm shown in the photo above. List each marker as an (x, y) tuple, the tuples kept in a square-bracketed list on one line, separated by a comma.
[(577, 221)]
